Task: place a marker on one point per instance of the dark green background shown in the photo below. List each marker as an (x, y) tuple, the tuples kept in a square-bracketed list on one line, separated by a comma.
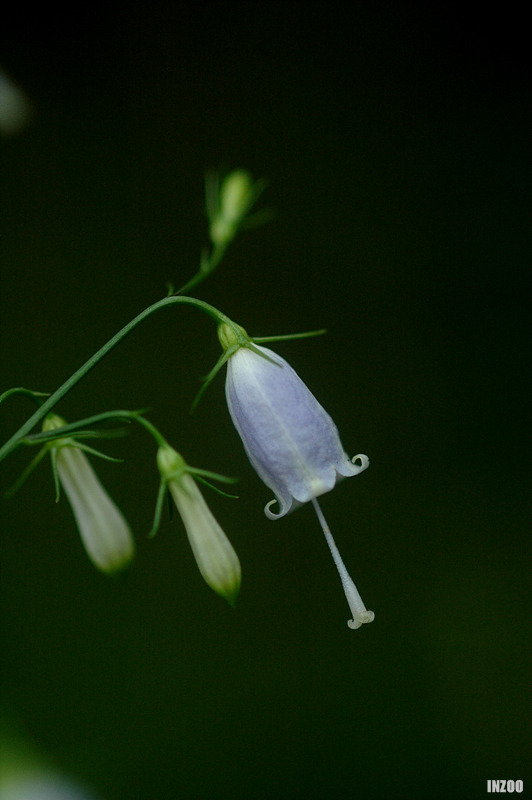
[(396, 141)]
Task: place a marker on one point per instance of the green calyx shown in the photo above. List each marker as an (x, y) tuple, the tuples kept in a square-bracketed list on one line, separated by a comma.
[(52, 422), (232, 336), (53, 443), (172, 467), (170, 464)]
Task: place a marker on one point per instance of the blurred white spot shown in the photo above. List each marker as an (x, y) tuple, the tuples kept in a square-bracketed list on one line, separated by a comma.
[(15, 107), (42, 787)]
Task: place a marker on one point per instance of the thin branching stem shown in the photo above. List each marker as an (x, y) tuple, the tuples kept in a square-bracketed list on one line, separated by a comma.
[(69, 384)]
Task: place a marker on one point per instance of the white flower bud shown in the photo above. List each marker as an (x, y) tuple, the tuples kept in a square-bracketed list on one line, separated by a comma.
[(104, 531), (215, 557), (237, 195)]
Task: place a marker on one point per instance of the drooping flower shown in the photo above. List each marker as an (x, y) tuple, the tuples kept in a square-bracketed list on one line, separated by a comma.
[(214, 554), (104, 531), (290, 440)]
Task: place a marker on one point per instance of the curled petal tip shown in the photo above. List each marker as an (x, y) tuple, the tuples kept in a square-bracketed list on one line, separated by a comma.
[(361, 461), (284, 508)]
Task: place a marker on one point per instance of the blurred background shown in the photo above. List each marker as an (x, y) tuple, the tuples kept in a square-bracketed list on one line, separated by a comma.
[(396, 142)]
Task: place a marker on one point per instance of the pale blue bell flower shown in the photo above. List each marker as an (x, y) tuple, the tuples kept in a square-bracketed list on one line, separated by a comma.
[(289, 438), (291, 441)]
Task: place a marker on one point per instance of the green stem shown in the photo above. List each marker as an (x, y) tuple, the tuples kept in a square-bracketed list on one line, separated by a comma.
[(157, 435), (208, 265), (22, 390), (78, 428), (69, 384)]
